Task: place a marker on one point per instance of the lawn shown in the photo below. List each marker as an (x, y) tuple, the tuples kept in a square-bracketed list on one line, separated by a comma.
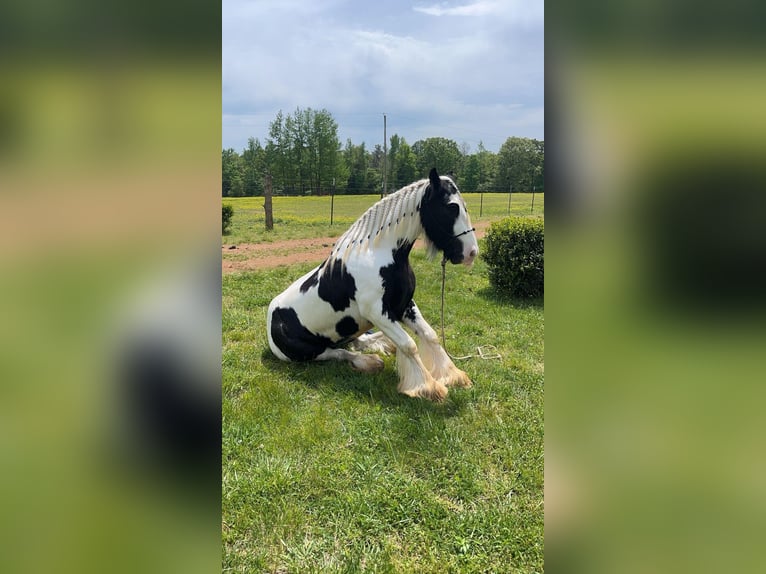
[(329, 470), (306, 217)]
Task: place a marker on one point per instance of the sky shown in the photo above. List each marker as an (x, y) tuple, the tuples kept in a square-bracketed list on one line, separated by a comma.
[(469, 70)]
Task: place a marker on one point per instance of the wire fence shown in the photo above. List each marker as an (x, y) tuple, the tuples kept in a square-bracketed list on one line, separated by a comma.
[(338, 209)]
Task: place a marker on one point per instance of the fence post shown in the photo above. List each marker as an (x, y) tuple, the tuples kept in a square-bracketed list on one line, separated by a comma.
[(267, 203)]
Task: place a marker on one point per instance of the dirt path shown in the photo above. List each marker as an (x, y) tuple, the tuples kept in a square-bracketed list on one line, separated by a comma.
[(255, 256)]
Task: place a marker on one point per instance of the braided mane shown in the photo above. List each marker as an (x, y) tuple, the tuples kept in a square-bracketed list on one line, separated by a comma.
[(396, 214)]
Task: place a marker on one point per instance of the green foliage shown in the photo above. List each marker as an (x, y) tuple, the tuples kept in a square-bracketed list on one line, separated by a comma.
[(227, 214), (514, 254), (303, 152), (520, 165), (478, 172), (402, 164), (253, 168), (441, 153), (231, 173), (304, 156), (356, 160)]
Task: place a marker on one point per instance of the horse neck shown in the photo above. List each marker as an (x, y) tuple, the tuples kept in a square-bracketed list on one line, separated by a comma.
[(398, 217), (394, 219)]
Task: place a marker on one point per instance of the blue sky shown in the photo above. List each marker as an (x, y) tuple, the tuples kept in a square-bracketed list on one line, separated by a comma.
[(470, 70)]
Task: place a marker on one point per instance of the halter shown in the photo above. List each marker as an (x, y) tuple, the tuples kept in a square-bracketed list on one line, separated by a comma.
[(464, 232)]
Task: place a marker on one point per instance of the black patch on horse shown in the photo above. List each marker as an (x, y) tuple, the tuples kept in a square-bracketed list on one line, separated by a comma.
[(311, 281), (438, 217), (409, 312), (293, 339), (336, 286), (347, 327), (398, 282)]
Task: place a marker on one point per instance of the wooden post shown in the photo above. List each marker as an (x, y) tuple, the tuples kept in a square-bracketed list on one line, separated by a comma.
[(267, 203), (385, 160), (481, 203)]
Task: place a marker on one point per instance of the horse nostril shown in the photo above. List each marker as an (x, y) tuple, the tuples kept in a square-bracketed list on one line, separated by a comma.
[(473, 252)]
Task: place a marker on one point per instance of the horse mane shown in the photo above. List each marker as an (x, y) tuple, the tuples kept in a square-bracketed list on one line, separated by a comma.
[(397, 213)]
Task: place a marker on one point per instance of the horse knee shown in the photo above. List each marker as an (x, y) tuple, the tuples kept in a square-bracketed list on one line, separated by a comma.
[(408, 348), (431, 338)]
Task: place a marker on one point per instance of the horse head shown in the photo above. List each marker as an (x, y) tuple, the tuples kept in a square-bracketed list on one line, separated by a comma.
[(446, 222)]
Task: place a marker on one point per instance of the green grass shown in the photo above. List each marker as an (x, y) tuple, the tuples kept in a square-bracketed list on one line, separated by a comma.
[(307, 217), (329, 470)]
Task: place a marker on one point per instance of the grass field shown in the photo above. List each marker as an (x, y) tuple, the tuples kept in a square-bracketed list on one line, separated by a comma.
[(329, 470), (305, 217)]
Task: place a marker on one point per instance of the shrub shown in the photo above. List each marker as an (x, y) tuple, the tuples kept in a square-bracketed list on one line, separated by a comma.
[(514, 253), (228, 212)]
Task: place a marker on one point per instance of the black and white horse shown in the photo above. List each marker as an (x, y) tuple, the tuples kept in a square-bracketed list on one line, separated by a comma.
[(367, 281)]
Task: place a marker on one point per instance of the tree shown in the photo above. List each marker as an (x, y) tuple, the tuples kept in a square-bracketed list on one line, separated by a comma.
[(231, 173), (253, 168), (441, 153), (519, 164), (539, 167), (355, 158), (374, 180), (324, 151), (303, 151), (277, 152), (376, 159), (402, 162), (487, 164), (470, 176), (303, 155)]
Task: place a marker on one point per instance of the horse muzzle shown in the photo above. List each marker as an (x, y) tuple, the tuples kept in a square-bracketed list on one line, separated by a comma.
[(470, 257), (466, 257)]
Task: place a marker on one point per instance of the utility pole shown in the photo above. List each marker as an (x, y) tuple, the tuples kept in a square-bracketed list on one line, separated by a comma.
[(267, 203), (385, 159), (332, 200)]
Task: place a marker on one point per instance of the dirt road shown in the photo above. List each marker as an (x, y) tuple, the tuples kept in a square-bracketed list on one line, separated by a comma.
[(255, 256)]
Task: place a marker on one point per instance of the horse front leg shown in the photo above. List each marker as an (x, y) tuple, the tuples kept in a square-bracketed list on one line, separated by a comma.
[(360, 362), (415, 380), (376, 342), (434, 357)]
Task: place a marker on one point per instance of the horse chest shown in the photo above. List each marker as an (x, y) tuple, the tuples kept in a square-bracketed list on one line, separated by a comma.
[(398, 283)]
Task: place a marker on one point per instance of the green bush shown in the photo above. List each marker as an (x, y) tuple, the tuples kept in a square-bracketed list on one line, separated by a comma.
[(514, 253), (228, 212)]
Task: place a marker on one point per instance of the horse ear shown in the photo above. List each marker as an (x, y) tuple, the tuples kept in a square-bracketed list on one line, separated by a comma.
[(435, 179), (436, 185)]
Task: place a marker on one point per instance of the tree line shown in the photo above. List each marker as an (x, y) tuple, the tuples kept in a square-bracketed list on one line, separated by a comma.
[(305, 157)]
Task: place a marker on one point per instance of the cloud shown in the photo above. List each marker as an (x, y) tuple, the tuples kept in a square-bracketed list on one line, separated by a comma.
[(514, 13), (472, 79), (481, 8)]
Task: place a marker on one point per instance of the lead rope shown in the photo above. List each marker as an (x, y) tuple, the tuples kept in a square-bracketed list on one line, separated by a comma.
[(485, 352)]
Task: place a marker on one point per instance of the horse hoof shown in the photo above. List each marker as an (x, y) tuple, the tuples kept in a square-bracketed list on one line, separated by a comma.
[(457, 378), (435, 392), (461, 379)]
